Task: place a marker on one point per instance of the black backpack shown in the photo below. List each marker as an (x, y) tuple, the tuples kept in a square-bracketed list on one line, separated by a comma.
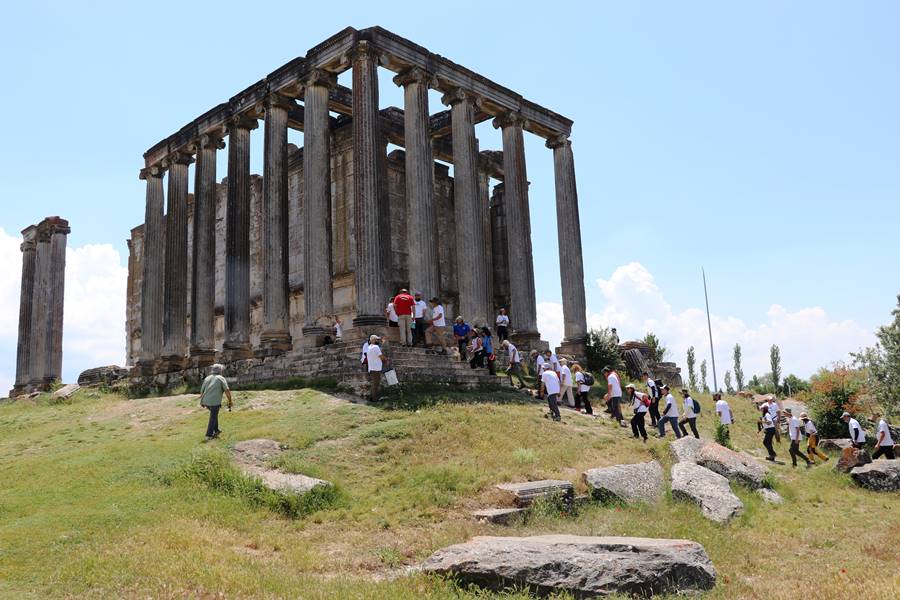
[(696, 406), (588, 379)]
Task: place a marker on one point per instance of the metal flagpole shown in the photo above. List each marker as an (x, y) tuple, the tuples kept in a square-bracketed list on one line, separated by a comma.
[(709, 327)]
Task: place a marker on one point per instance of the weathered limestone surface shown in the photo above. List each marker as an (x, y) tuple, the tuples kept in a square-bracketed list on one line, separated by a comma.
[(527, 492), (499, 516), (26, 304), (638, 482), (686, 448), (152, 279), (253, 458), (851, 458), (707, 489), (581, 565), (175, 293), (735, 466), (879, 475), (770, 496)]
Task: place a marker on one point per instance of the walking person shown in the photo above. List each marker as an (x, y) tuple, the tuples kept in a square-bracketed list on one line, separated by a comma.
[(419, 310), (639, 404), (550, 388), (515, 363), (438, 323), (794, 435), (655, 395), (502, 324), (669, 414), (565, 382), (403, 307), (812, 439), (538, 360), (767, 425), (375, 361), (487, 344), (390, 313), (461, 331), (211, 391), (857, 433), (582, 401), (614, 394), (723, 411), (551, 359), (884, 443), (690, 414), (775, 412)]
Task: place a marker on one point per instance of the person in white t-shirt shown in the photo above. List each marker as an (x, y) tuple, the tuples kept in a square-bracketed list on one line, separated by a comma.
[(857, 433), (582, 401), (690, 417), (775, 412), (669, 414), (767, 425), (884, 443), (565, 382), (338, 328), (614, 394), (550, 387), (539, 363), (502, 324), (419, 310), (550, 358), (794, 435), (640, 403), (812, 439), (515, 363), (375, 361), (391, 313), (438, 324), (723, 410), (654, 393)]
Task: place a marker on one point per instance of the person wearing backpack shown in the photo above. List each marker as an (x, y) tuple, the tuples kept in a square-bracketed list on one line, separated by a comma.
[(691, 410), (639, 404), (653, 388), (669, 414), (584, 381)]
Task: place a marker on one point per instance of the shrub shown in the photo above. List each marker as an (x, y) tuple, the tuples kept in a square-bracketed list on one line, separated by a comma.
[(831, 393), (602, 351), (723, 436)]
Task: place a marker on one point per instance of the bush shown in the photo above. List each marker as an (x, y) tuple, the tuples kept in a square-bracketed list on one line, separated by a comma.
[(602, 351), (723, 436), (831, 393)]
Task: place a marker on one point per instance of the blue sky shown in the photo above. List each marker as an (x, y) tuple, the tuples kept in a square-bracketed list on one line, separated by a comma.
[(758, 140)]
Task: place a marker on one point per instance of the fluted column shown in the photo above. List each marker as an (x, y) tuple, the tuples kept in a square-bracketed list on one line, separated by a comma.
[(59, 231), (26, 302), (485, 246), (152, 277), (40, 312), (421, 226), (276, 335), (237, 241), (523, 307), (368, 191), (469, 226), (203, 287), (568, 224), (176, 268), (317, 291)]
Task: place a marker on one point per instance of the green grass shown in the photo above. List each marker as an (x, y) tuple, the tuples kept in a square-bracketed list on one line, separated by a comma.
[(110, 497)]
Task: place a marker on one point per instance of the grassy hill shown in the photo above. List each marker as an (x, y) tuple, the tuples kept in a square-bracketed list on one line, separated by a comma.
[(104, 496)]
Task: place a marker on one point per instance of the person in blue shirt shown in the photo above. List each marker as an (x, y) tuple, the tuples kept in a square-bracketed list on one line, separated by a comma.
[(487, 342), (461, 331)]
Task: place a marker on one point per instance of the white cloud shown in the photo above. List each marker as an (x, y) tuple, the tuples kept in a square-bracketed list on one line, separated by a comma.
[(808, 338), (94, 312)]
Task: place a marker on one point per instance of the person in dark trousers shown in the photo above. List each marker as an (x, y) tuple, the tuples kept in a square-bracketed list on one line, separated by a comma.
[(515, 363), (690, 417), (461, 331), (812, 439), (884, 443), (550, 389), (211, 391), (669, 414), (794, 434), (767, 426), (582, 401), (502, 323), (487, 344), (614, 394), (375, 361), (419, 310), (857, 433), (639, 404), (655, 395)]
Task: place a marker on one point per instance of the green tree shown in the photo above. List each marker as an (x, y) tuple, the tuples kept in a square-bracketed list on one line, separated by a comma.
[(794, 385), (602, 350), (728, 387), (775, 363), (882, 365), (692, 373), (657, 350), (755, 384), (831, 393), (703, 376), (738, 372)]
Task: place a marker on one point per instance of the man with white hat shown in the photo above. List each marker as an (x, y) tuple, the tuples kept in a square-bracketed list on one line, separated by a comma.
[(812, 439), (794, 434), (857, 433), (550, 387)]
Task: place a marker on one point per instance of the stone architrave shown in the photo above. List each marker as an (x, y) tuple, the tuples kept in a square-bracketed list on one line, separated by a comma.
[(571, 268), (237, 241), (469, 225), (318, 297), (152, 278), (372, 239), (203, 288), (421, 224), (26, 305), (276, 335), (523, 309), (176, 267)]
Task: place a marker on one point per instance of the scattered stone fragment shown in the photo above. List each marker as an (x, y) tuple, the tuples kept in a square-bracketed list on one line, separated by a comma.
[(499, 516), (526, 493), (638, 482), (770, 496), (735, 466), (685, 449), (583, 566), (65, 391), (852, 457), (252, 458), (834, 444), (879, 475), (709, 490)]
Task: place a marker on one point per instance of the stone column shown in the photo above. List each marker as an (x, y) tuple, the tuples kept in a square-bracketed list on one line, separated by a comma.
[(469, 221), (59, 231), (203, 288), (368, 191), (176, 267), (237, 241), (152, 282), (421, 225), (571, 268), (523, 307), (317, 290), (40, 312), (26, 303), (276, 335), (485, 247)]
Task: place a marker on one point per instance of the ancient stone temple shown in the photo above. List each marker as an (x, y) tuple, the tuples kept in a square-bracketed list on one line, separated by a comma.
[(39, 350), (256, 266)]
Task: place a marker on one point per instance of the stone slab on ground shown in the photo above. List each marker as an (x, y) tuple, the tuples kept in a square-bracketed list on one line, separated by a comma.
[(252, 458), (685, 449), (637, 482), (499, 516), (834, 444), (706, 488), (65, 391), (526, 493), (581, 565), (770, 496), (878, 475), (850, 458), (737, 467)]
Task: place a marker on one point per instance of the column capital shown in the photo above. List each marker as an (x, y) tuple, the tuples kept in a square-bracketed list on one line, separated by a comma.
[(179, 157), (415, 75), (320, 77), (276, 100), (558, 141), (54, 225), (241, 122), (210, 139), (28, 238), (509, 118), (152, 171), (457, 95)]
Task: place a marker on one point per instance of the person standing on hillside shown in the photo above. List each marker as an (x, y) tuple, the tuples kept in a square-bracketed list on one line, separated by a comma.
[(690, 416), (487, 344), (794, 435), (565, 382), (502, 324), (583, 390), (812, 439), (550, 388), (654, 393), (884, 443), (775, 412), (723, 410), (403, 306), (375, 361), (639, 404), (669, 414), (552, 360), (515, 363), (857, 433), (767, 425), (539, 362), (461, 331), (614, 394), (211, 398), (438, 323), (419, 310)]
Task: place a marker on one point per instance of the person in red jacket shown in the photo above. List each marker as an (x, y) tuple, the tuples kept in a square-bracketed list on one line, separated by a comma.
[(403, 306)]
